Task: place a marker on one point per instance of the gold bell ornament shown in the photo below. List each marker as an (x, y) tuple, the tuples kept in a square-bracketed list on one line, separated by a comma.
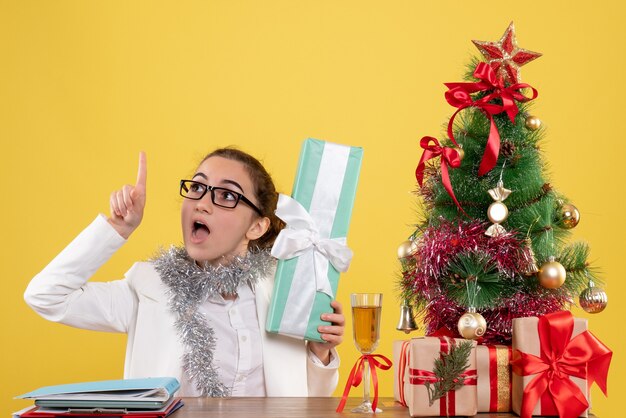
[(407, 318), (593, 299), (529, 255)]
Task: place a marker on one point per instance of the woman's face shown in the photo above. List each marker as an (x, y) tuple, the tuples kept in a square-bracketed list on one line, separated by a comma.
[(214, 233)]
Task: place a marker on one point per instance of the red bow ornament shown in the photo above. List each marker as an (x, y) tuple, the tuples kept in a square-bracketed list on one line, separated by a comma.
[(449, 157), (562, 357), (459, 96)]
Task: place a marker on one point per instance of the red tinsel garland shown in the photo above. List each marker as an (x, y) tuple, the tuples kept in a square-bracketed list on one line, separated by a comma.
[(439, 245), (444, 313)]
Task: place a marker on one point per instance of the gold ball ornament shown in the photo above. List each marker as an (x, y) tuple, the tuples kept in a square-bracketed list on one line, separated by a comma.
[(551, 274), (569, 215), (497, 212), (407, 249), (593, 299), (533, 123), (472, 325)]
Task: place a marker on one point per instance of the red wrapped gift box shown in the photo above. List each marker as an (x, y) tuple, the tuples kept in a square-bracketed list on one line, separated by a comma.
[(555, 360), (422, 354)]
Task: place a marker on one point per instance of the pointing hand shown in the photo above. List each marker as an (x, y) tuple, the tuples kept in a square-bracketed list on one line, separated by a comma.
[(128, 203)]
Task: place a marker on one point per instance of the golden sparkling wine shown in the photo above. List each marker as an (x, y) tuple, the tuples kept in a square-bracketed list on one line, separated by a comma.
[(366, 312), (366, 327)]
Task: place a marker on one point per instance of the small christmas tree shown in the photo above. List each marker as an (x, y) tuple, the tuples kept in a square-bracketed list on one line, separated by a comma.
[(492, 244)]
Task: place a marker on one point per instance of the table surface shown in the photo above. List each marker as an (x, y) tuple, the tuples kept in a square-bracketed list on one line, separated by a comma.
[(290, 407)]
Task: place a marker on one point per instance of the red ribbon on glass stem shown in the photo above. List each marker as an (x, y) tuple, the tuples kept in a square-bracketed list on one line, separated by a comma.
[(356, 376), (459, 96), (449, 156), (562, 356)]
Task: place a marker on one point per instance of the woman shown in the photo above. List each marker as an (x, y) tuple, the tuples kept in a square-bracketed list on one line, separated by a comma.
[(195, 313)]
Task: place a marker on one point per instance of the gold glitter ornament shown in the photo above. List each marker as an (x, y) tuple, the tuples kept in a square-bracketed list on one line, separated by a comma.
[(529, 255), (552, 274), (497, 211), (568, 216), (593, 299), (532, 123), (472, 325)]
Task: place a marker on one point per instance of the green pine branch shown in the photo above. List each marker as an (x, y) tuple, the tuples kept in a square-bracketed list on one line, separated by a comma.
[(478, 271), (448, 370)]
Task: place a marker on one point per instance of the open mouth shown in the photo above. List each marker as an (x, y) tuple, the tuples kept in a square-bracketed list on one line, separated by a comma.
[(199, 230)]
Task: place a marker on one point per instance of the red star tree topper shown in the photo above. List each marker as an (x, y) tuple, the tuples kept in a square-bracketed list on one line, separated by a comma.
[(505, 57)]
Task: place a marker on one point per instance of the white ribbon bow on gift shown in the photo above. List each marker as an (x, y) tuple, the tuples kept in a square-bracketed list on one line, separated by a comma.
[(302, 236)]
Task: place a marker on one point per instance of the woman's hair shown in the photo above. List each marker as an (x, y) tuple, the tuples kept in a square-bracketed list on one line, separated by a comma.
[(264, 191)]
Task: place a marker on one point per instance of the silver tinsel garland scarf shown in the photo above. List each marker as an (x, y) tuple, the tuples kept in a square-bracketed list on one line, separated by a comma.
[(189, 285)]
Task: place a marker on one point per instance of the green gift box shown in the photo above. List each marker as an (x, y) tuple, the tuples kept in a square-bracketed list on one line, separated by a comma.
[(311, 249)]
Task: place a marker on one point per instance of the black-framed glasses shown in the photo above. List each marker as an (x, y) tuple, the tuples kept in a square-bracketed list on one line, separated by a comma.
[(220, 196)]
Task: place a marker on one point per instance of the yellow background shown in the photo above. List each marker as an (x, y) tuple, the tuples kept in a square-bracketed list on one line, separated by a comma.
[(85, 85)]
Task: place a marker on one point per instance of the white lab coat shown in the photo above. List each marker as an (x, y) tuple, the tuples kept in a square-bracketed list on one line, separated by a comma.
[(138, 305)]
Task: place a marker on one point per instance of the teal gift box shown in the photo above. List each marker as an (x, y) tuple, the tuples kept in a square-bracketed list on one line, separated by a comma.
[(311, 249)]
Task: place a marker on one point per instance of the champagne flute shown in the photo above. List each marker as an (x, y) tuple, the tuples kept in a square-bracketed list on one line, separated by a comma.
[(366, 310)]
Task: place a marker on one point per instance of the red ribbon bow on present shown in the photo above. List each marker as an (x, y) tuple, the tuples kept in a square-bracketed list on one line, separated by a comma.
[(459, 96), (356, 376), (449, 156), (562, 356)]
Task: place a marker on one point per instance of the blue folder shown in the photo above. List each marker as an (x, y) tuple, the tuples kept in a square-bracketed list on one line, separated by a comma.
[(127, 393)]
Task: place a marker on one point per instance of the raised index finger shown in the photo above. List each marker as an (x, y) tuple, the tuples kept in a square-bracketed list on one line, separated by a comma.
[(142, 171)]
